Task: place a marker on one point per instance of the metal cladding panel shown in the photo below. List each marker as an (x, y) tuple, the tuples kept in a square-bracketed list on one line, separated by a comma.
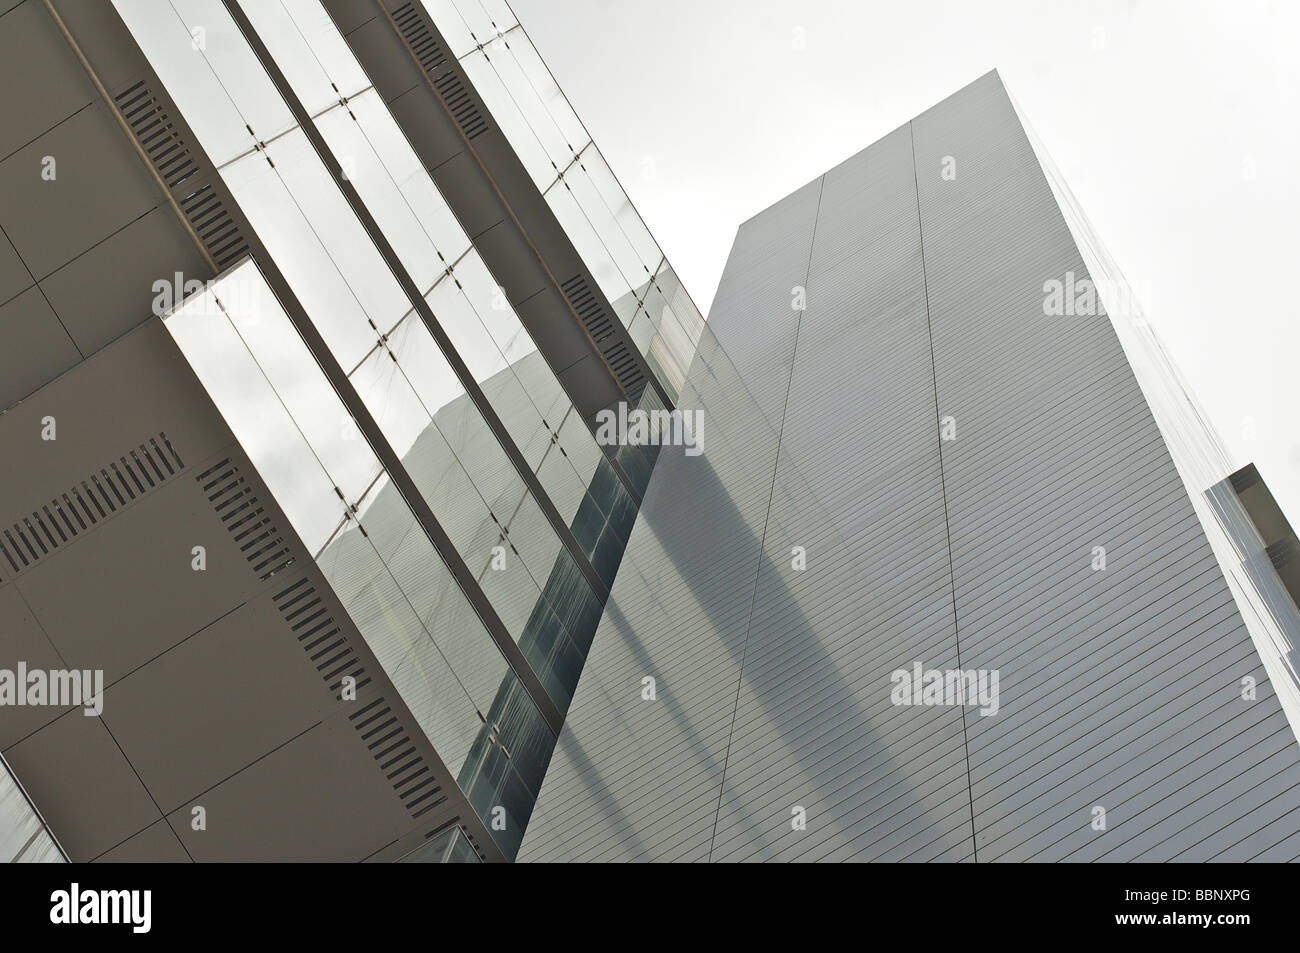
[(1056, 452), (639, 780), (948, 456), (861, 494)]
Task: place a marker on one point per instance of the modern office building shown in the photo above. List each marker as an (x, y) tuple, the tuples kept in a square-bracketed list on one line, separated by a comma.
[(939, 439), (311, 315)]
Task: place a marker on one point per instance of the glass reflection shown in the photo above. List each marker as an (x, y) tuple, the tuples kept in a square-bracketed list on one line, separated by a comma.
[(23, 838), (293, 426), (376, 558), (582, 191)]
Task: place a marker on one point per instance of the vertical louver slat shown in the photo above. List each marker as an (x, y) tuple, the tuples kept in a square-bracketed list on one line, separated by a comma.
[(250, 526), (439, 68), (600, 326), (179, 170), (378, 726), (150, 125), (68, 516)]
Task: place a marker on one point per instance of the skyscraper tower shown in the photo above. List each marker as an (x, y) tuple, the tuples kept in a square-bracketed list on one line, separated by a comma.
[(960, 574), (328, 532), (310, 312)]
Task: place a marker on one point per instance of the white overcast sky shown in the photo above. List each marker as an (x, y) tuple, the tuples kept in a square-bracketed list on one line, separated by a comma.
[(1174, 122)]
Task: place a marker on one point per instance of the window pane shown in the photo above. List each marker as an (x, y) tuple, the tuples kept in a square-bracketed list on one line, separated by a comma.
[(302, 258), (255, 408), (209, 108), (308, 50)]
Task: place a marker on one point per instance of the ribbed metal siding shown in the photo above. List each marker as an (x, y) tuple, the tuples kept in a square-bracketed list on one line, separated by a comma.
[(857, 485), (1119, 688), (643, 776)]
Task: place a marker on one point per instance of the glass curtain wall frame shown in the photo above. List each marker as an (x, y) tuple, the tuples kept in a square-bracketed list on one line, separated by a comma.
[(366, 321), (402, 197), (448, 847), (352, 297), (367, 543), (398, 192), (570, 171)]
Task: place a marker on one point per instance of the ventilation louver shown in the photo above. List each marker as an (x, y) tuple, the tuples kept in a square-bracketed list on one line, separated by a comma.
[(440, 70), (176, 165), (212, 222), (461, 105), (91, 501), (375, 722), (152, 128), (428, 51), (600, 326), (244, 517)]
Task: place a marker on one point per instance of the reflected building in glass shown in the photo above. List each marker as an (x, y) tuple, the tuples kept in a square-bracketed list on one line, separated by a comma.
[(306, 463), (376, 283)]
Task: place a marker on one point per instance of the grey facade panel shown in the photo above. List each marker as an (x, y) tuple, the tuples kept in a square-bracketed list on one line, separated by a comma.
[(948, 456), (679, 608), (102, 293), (155, 844), (861, 493), (28, 327), (100, 188), (43, 84), (1056, 453)]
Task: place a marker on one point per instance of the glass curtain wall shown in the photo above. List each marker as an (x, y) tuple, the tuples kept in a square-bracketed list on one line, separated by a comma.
[(569, 170), (356, 303), (359, 530), (471, 307)]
